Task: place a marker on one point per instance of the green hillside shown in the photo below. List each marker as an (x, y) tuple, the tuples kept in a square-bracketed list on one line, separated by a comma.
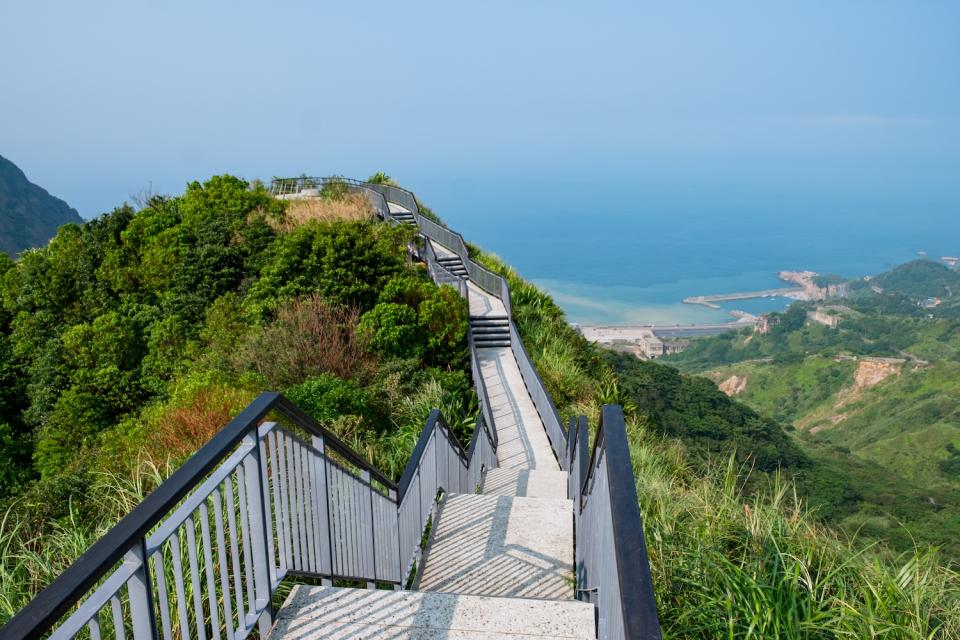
[(131, 339), (881, 390), (920, 279)]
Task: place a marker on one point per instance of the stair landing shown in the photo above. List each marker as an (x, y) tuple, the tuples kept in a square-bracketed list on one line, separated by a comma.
[(341, 614), (501, 546)]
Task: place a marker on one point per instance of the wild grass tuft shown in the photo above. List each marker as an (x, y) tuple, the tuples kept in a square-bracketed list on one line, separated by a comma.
[(351, 207)]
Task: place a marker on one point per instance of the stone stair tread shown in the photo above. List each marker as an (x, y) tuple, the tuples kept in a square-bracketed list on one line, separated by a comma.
[(529, 483), (501, 546), (332, 612)]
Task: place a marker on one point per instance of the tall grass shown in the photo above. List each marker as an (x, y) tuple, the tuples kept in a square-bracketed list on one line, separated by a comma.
[(350, 206), (729, 565), (33, 553)]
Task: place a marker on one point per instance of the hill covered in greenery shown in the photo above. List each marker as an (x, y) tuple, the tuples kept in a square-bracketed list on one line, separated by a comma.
[(29, 216), (878, 395), (132, 338)]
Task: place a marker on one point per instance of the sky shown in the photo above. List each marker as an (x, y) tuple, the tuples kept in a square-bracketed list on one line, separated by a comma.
[(102, 101)]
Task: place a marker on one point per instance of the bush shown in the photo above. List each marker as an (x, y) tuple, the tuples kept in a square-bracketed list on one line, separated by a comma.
[(348, 263), (393, 330), (308, 337), (326, 397), (445, 318)]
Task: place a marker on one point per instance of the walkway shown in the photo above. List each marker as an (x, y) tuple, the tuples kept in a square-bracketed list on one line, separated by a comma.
[(517, 538), (498, 564)]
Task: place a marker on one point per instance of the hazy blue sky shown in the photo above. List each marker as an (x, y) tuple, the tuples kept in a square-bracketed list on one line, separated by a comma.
[(98, 100)]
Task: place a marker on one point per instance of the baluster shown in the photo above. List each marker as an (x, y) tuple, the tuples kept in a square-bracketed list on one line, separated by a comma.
[(141, 594), (324, 489), (258, 532)]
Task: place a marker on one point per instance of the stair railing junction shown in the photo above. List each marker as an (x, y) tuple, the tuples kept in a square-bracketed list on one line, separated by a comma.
[(203, 555)]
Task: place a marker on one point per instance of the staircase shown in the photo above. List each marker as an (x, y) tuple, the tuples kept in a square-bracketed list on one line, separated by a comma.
[(453, 264), (403, 216), (490, 331), (497, 564)]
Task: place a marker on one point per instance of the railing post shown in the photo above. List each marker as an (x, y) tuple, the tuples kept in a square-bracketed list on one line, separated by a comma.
[(365, 476), (259, 530), (392, 493), (140, 589), (326, 535)]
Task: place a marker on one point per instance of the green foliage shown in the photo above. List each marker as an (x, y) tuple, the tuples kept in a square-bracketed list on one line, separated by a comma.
[(346, 262), (326, 398), (394, 330), (787, 391), (823, 280), (950, 467), (920, 279), (879, 463), (792, 319), (381, 178), (415, 318), (693, 409)]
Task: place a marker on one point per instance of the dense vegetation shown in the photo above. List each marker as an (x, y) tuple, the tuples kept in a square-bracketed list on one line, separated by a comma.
[(29, 216), (920, 279), (129, 340), (332, 312)]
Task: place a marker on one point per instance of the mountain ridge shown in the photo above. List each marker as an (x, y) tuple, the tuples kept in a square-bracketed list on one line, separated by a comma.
[(29, 214)]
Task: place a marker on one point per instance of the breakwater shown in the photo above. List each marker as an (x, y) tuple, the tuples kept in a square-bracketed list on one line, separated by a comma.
[(711, 301)]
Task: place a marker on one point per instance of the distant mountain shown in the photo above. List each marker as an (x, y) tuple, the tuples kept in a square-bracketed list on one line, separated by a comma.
[(29, 216), (920, 279)]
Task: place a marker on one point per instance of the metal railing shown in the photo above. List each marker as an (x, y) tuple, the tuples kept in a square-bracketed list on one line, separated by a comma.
[(438, 463), (612, 568), (203, 554)]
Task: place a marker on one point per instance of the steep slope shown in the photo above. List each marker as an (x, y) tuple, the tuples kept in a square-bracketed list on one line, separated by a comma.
[(29, 216)]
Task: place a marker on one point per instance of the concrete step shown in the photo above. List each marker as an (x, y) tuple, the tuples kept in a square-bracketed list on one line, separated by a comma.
[(530, 483), (329, 612), (481, 329), (501, 546)]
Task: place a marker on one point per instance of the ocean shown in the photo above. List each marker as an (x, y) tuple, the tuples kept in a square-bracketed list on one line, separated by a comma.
[(611, 253)]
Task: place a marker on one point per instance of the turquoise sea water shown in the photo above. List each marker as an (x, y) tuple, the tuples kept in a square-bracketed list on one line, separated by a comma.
[(611, 253)]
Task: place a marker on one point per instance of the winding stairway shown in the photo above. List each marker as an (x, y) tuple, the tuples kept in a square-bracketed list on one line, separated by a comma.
[(484, 534), (498, 563)]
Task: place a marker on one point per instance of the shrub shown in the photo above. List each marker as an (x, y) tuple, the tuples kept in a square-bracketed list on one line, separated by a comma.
[(326, 397), (346, 262), (198, 408), (444, 317), (309, 337), (393, 330)]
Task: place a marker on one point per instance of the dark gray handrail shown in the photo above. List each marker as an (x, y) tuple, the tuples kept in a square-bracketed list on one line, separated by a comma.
[(612, 566)]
